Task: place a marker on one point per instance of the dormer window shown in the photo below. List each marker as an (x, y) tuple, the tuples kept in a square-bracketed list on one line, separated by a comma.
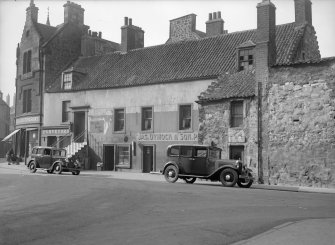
[(245, 59), (67, 80)]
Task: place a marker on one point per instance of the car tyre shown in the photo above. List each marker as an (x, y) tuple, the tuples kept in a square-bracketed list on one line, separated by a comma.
[(57, 168), (190, 180), (228, 177), (77, 172), (171, 174), (32, 167), (245, 184)]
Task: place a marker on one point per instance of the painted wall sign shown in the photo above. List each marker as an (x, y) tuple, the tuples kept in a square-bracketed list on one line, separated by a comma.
[(97, 126), (168, 137), (27, 120), (55, 131)]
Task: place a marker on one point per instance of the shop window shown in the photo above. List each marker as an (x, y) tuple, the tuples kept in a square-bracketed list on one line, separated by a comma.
[(66, 111), (27, 62), (236, 114), (67, 80), (119, 124), (246, 59), (26, 102), (147, 118), (123, 156), (185, 117)]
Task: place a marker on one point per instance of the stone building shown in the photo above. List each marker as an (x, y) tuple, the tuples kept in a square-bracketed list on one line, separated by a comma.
[(4, 126), (278, 117), (41, 56)]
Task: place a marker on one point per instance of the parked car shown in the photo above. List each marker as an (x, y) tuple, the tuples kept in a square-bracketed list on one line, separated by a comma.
[(53, 160), (190, 162)]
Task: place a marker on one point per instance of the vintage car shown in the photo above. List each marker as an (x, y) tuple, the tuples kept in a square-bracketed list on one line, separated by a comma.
[(190, 162), (53, 160)]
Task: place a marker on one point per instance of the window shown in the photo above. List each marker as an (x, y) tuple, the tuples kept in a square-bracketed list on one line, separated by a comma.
[(119, 120), (27, 62), (186, 151), (47, 152), (67, 80), (246, 59), (236, 152), (200, 152), (174, 151), (123, 156), (185, 117), (236, 114), (65, 111), (26, 102), (147, 118)]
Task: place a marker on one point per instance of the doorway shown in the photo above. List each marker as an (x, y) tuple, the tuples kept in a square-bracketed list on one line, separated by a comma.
[(109, 153), (79, 126), (148, 159), (236, 152)]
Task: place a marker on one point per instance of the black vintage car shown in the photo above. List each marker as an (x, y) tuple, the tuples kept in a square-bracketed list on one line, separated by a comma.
[(53, 160), (190, 162)]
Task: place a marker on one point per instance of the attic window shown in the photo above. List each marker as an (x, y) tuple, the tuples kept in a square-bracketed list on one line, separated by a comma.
[(67, 80), (245, 59), (27, 33)]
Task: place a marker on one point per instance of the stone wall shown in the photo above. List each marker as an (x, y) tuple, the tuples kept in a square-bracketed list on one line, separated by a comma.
[(215, 127), (183, 28), (301, 125)]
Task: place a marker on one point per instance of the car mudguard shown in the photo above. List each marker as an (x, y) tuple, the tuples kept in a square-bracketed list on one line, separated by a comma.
[(168, 164)]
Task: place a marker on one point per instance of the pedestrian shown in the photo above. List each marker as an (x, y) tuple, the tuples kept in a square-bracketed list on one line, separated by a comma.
[(9, 156)]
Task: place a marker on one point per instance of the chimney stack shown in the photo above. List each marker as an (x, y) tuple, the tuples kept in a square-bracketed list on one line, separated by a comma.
[(214, 25), (132, 37), (303, 12), (73, 13), (31, 13)]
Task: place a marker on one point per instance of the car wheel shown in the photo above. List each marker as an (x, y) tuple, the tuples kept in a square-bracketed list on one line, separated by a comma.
[(32, 167), (57, 168), (244, 184), (77, 172), (228, 177), (190, 180), (171, 174)]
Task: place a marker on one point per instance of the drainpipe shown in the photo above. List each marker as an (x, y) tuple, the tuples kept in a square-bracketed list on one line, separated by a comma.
[(41, 80)]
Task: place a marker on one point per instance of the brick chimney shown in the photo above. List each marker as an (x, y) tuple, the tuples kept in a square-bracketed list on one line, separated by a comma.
[(31, 13), (303, 11), (214, 25), (132, 37), (73, 13), (266, 34)]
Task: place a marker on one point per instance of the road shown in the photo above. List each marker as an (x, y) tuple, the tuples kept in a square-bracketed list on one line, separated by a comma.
[(66, 209)]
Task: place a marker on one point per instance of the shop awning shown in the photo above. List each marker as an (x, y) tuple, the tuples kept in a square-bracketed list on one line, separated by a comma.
[(10, 135)]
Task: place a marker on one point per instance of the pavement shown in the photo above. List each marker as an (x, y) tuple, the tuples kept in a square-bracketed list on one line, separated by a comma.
[(305, 232)]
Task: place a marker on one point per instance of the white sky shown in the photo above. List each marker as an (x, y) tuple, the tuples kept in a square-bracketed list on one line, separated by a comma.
[(153, 17)]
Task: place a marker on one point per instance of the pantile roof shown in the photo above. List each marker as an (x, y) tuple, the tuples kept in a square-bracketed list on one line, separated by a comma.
[(186, 60), (236, 85)]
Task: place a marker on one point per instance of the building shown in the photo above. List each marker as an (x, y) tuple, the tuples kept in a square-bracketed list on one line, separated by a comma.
[(4, 126), (41, 55), (279, 117)]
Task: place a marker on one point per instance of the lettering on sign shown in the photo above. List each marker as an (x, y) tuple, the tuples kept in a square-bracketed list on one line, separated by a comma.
[(27, 120), (55, 131), (168, 137)]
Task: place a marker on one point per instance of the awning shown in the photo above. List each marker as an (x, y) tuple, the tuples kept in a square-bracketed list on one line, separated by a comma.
[(31, 129), (10, 135)]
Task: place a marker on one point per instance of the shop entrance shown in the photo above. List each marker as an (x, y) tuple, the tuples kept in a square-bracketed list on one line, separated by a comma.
[(109, 162), (148, 159), (79, 126)]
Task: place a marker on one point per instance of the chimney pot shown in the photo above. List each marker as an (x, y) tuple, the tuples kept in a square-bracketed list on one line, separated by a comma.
[(94, 34), (219, 14), (100, 34), (214, 15), (130, 21), (125, 21), (89, 32), (210, 17)]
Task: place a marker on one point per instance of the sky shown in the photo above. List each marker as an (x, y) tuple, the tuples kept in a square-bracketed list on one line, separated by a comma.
[(153, 17)]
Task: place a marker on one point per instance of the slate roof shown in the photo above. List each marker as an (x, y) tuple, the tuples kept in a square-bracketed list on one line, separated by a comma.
[(186, 60), (238, 85), (45, 31)]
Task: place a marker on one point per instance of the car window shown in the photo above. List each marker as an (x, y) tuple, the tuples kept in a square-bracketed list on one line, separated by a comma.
[(58, 153), (40, 151), (174, 151), (186, 151), (34, 151), (202, 152), (47, 152)]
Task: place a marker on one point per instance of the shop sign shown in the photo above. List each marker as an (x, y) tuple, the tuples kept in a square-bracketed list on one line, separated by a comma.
[(168, 137), (27, 120), (55, 131)]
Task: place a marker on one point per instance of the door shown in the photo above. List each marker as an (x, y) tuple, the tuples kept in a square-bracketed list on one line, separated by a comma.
[(186, 160), (109, 159), (79, 126), (148, 159), (200, 163), (45, 160)]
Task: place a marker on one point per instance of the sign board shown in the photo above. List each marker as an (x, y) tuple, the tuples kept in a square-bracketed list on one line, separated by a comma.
[(167, 137)]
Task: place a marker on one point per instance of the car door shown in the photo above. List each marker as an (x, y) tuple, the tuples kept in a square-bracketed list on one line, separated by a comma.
[(199, 166), (186, 159), (45, 161)]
